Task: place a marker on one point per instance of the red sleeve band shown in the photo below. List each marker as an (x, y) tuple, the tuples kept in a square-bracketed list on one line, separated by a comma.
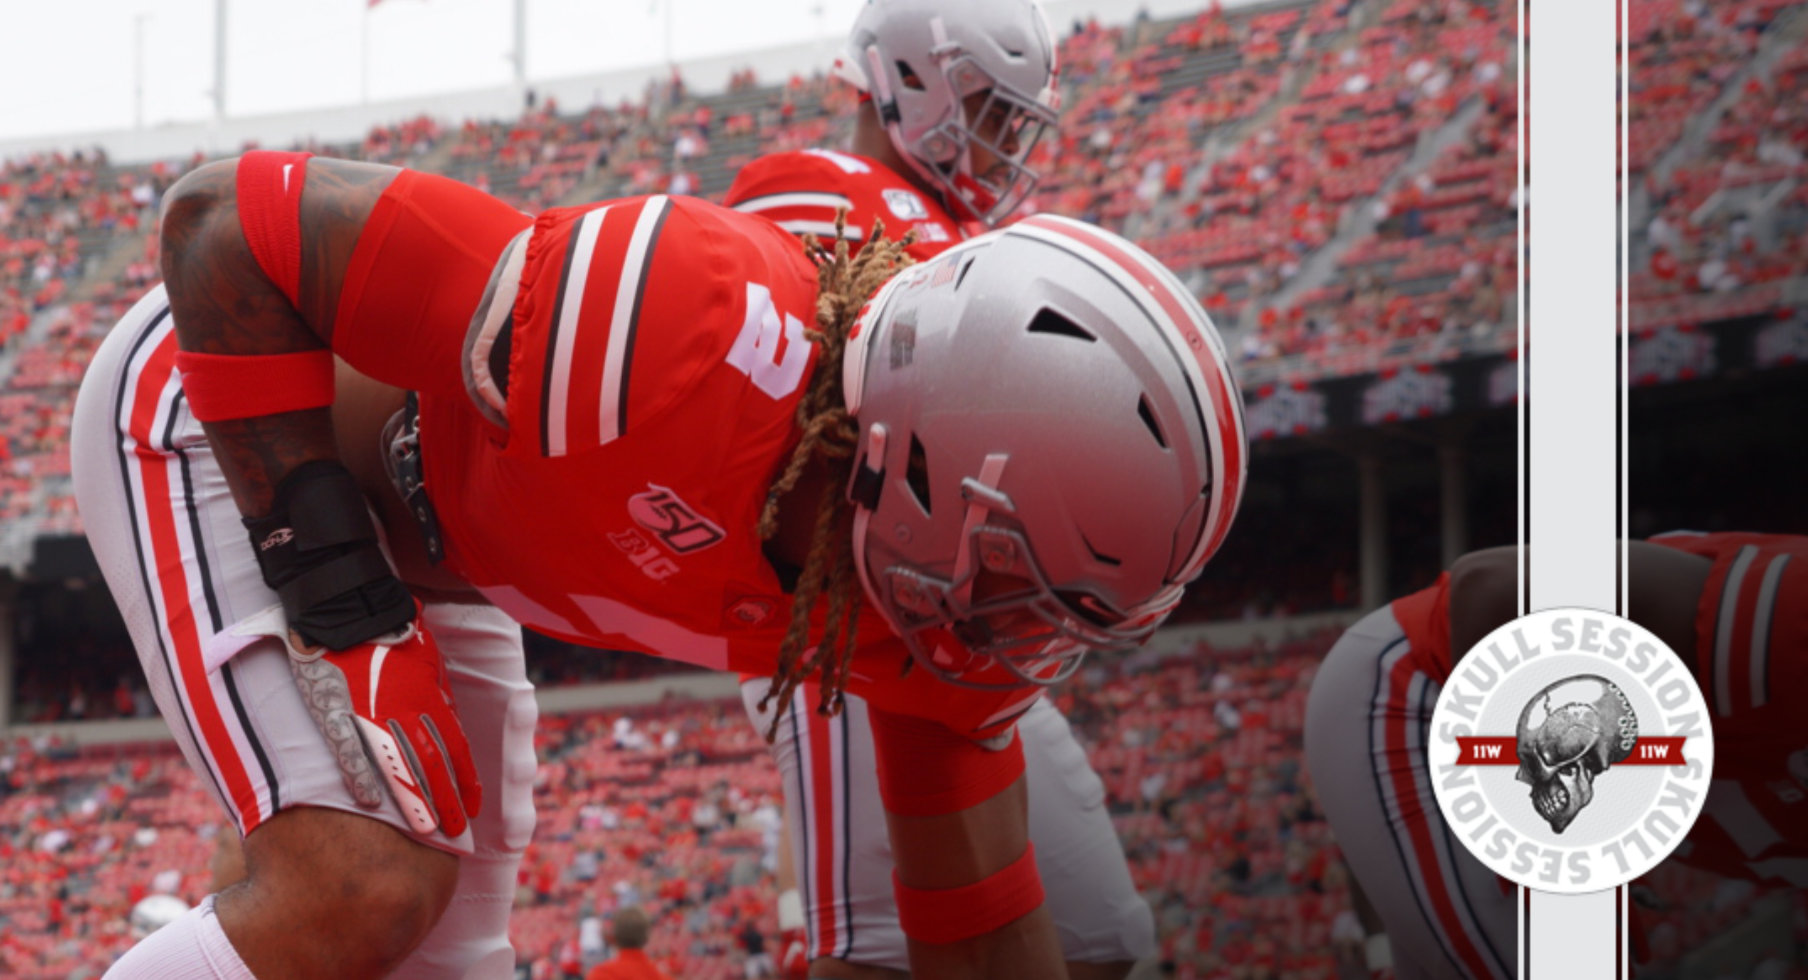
[(224, 387), (269, 202), (926, 770), (951, 915)]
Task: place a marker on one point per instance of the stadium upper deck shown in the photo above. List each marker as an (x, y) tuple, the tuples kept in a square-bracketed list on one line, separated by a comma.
[(1335, 179)]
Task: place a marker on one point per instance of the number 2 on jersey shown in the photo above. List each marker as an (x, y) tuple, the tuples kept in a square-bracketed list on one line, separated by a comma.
[(757, 349)]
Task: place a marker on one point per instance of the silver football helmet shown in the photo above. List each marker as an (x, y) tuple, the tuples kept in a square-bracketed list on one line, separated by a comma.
[(1051, 447), (920, 60)]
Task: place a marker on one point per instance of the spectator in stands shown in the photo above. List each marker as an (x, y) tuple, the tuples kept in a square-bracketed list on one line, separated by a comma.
[(758, 963), (629, 929)]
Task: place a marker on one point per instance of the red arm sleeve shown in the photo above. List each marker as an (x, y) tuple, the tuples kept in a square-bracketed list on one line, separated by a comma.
[(415, 279)]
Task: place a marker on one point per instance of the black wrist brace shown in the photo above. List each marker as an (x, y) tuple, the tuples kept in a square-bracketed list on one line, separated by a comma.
[(318, 549)]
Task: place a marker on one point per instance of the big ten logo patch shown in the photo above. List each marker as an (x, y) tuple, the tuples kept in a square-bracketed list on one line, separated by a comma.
[(905, 204), (1570, 751), (672, 522), (652, 562)]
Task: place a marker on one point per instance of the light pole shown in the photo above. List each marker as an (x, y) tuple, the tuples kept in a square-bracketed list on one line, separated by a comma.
[(138, 20), (219, 60)]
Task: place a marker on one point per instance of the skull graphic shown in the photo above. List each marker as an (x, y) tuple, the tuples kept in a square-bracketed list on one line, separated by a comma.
[(1570, 733)]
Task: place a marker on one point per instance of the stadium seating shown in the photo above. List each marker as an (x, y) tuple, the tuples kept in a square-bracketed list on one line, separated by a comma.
[(1199, 753), (1335, 179), (1725, 230)]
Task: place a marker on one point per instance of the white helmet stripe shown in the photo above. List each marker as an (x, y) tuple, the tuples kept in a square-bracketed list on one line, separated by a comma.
[(1207, 368)]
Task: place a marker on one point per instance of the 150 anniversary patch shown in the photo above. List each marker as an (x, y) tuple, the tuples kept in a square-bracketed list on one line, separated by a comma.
[(1571, 750)]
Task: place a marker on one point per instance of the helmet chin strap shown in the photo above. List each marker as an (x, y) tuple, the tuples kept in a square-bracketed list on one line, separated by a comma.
[(983, 497)]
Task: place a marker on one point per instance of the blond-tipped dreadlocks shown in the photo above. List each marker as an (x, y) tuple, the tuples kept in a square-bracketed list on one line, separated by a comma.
[(844, 284)]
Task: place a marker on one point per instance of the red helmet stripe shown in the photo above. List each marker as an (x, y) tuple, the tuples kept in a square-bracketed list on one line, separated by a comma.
[(1211, 364)]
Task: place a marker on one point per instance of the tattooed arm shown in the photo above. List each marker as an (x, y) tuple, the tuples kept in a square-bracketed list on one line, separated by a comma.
[(369, 672), (223, 303)]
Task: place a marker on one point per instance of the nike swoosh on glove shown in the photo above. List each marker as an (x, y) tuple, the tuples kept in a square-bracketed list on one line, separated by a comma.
[(794, 963), (385, 707)]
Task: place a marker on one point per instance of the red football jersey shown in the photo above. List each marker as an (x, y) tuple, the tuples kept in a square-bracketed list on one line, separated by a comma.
[(656, 359), (1751, 651), (801, 192)]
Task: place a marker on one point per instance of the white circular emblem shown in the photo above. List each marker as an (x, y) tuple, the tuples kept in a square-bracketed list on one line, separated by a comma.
[(1571, 750)]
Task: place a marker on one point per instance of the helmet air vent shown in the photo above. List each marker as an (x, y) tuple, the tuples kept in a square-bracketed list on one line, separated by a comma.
[(961, 276), (1099, 556), (1048, 321), (1148, 416), (907, 76), (916, 475)]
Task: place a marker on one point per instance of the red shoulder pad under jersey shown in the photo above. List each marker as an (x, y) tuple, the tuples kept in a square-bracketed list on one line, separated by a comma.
[(801, 191), (1751, 640), (419, 269), (1424, 617)]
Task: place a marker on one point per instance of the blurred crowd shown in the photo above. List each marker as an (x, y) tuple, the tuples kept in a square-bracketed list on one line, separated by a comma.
[(675, 807), (1336, 179)]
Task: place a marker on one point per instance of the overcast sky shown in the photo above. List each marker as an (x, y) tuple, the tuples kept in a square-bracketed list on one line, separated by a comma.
[(70, 65)]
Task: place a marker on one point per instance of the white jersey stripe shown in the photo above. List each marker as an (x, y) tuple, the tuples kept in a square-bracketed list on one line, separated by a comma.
[(177, 426), (558, 396), (821, 229), (621, 323), (1761, 616), (838, 841), (181, 566), (1401, 717), (1723, 629), (134, 377), (818, 925), (795, 199)]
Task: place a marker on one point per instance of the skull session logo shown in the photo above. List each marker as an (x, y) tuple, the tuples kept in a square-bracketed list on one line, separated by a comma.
[(1570, 750)]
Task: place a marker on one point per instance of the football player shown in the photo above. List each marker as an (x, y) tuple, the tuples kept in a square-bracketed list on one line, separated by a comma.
[(651, 424), (953, 97), (1734, 607)]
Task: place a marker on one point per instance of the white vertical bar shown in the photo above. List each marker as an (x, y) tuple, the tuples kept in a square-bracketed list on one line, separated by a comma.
[(1574, 937), (1573, 391), (1572, 446), (1623, 339), (1520, 946)]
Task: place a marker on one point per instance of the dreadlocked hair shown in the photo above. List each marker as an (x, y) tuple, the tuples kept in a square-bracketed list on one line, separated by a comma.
[(844, 283)]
